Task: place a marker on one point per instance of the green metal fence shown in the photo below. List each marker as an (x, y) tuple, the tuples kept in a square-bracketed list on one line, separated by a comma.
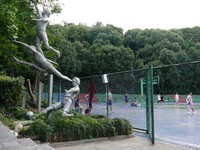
[(149, 103)]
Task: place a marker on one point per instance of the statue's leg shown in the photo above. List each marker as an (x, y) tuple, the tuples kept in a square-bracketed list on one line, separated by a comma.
[(29, 64), (67, 101), (57, 105), (39, 43), (23, 62), (44, 38), (48, 109), (51, 108)]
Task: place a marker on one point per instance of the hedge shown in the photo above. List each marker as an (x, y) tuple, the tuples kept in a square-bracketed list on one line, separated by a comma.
[(78, 127), (11, 90)]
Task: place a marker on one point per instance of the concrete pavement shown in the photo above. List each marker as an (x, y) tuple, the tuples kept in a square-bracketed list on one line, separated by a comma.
[(9, 142), (132, 143)]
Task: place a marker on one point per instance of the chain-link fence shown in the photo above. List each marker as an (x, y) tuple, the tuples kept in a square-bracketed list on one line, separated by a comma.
[(119, 84)]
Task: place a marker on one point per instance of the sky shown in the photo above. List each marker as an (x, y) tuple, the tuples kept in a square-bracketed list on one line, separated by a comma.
[(131, 14)]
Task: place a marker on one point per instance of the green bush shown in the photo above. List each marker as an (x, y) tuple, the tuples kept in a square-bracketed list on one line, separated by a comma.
[(102, 127), (7, 121), (86, 127), (67, 129), (44, 102), (122, 126), (38, 130), (16, 112), (19, 113), (11, 90), (57, 128), (29, 102)]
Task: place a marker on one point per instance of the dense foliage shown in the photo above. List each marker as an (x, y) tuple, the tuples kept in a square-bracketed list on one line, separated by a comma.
[(11, 90), (78, 127), (87, 51)]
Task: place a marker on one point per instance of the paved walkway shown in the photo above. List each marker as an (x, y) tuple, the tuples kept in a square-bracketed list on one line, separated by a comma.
[(9, 142), (133, 143)]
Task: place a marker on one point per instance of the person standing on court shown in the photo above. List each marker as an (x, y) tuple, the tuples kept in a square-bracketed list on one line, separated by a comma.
[(87, 97), (159, 98), (190, 104), (126, 98), (176, 99), (91, 91), (110, 100)]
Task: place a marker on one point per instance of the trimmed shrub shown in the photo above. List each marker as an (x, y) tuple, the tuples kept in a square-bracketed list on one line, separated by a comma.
[(16, 112), (8, 121), (38, 130), (57, 128), (122, 126), (11, 90), (86, 127)]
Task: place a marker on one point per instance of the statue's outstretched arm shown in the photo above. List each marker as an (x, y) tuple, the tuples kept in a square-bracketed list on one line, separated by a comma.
[(37, 9), (26, 45), (42, 19), (72, 90)]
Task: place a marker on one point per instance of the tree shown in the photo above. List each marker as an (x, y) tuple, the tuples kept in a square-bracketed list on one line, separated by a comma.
[(14, 18), (130, 39), (108, 34), (167, 57), (16, 23)]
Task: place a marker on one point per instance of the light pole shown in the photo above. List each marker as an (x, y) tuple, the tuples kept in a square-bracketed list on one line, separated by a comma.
[(105, 81)]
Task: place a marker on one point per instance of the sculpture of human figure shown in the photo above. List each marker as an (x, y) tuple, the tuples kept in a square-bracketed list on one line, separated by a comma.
[(41, 63), (41, 35), (67, 100)]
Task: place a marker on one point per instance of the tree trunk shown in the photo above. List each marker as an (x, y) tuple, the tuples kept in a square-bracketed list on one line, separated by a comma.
[(36, 81), (33, 98)]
